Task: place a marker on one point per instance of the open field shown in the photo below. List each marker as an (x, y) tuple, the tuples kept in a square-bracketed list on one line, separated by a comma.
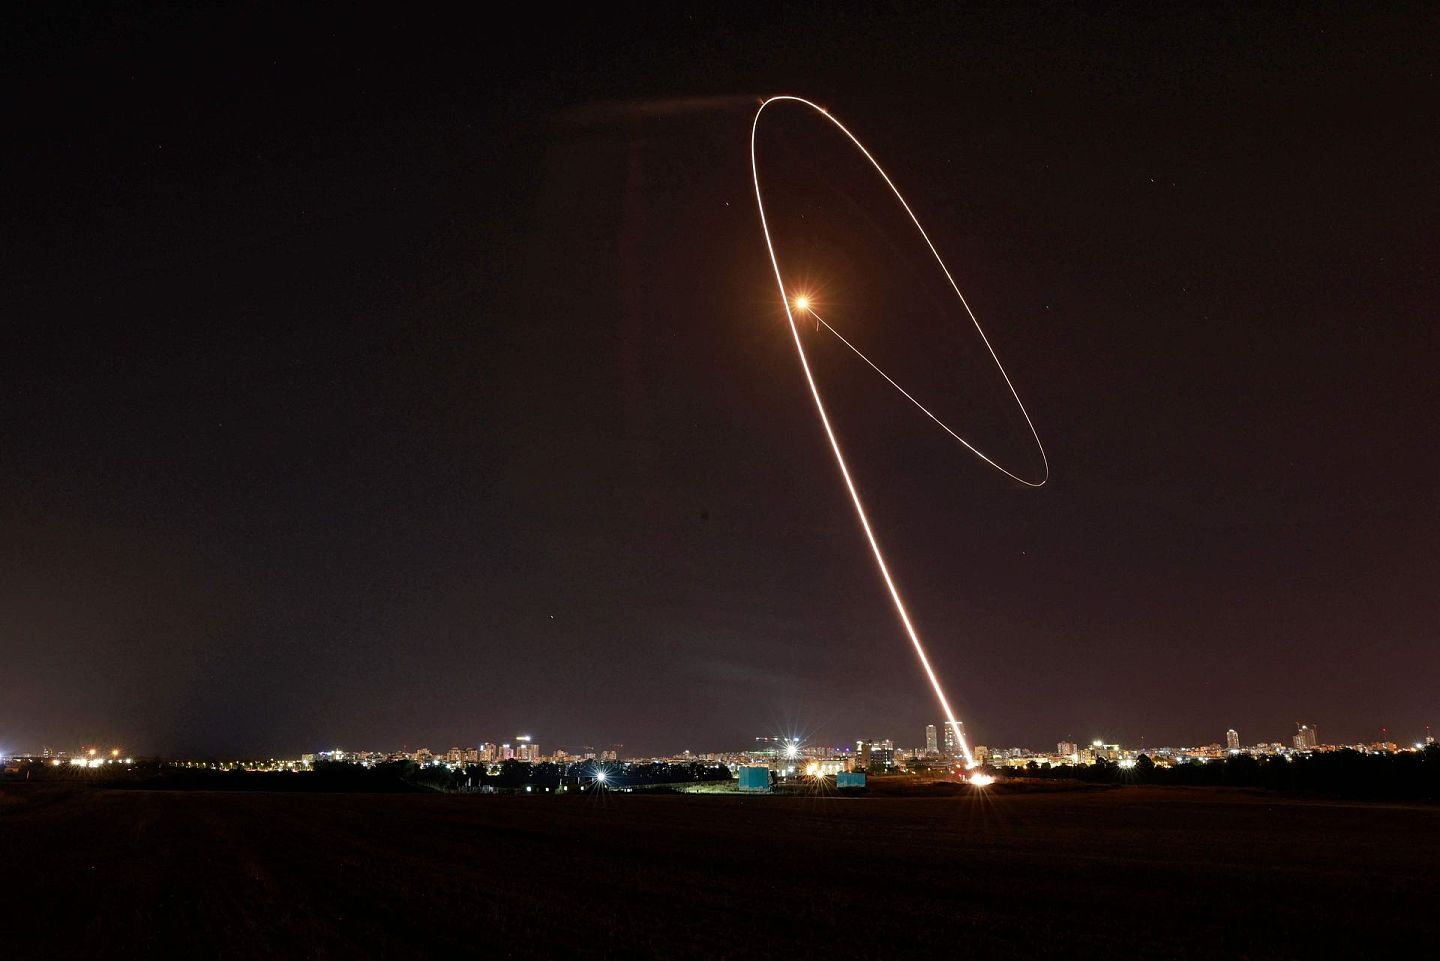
[(1137, 872)]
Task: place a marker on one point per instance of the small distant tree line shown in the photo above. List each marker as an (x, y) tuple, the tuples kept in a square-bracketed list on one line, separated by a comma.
[(519, 775), (1404, 775), (391, 776)]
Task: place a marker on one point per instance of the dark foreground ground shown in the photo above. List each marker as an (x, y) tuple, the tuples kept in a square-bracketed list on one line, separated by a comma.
[(1133, 872)]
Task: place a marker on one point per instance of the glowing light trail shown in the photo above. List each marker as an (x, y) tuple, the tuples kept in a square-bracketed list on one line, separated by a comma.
[(925, 410), (802, 303)]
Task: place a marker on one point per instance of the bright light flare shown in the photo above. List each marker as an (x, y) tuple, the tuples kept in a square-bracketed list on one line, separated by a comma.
[(802, 303), (601, 777), (982, 780)]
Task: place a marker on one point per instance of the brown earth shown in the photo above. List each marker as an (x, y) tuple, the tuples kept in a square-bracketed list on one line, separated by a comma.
[(1138, 872)]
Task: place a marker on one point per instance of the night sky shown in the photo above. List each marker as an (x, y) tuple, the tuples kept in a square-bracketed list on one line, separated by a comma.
[(421, 382)]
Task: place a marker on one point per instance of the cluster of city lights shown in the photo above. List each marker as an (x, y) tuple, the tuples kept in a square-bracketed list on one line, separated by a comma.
[(92, 758), (792, 757)]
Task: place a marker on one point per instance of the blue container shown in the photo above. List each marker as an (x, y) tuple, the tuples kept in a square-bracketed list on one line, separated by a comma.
[(754, 778), (850, 779)]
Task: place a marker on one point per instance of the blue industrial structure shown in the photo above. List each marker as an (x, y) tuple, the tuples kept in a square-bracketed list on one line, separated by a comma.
[(754, 778)]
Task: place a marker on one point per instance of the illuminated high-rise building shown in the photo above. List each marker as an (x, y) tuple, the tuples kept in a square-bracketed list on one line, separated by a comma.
[(932, 745), (876, 756), (1305, 739), (1232, 740), (952, 748), (1067, 748)]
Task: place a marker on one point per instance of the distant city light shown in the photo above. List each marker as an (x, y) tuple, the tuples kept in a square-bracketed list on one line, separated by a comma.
[(781, 758)]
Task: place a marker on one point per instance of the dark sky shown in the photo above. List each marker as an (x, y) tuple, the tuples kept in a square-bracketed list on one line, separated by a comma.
[(421, 381)]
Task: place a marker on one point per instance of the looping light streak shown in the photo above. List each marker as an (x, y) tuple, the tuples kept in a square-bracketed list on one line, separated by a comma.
[(803, 303)]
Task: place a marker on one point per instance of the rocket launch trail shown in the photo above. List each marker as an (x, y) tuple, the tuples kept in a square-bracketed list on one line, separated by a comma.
[(802, 304)]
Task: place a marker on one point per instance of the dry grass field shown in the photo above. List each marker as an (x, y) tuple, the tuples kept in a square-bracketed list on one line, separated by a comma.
[(1130, 872)]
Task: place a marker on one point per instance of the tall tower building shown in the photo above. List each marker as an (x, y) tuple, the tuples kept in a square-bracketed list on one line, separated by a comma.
[(1232, 740), (952, 749), (1305, 738), (932, 746)]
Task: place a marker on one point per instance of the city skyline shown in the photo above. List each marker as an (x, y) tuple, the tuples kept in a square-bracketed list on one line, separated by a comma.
[(1282, 730), (526, 747)]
